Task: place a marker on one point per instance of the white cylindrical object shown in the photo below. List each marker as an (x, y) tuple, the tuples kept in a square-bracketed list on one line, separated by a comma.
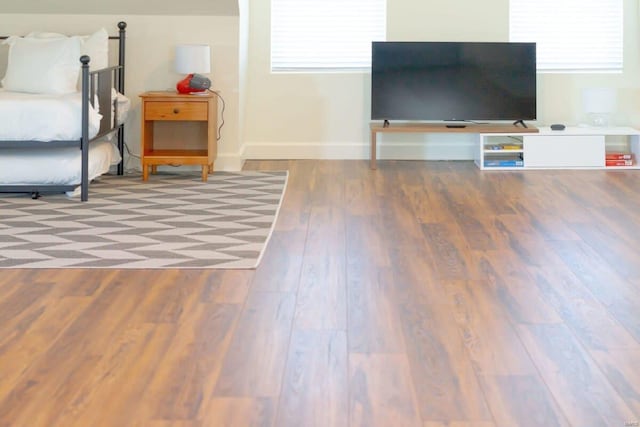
[(193, 58)]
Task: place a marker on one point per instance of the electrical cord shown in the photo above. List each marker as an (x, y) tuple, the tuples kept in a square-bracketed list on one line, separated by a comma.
[(219, 132), (128, 157), (135, 156), (129, 153)]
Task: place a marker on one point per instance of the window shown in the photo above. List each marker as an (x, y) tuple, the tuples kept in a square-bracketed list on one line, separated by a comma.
[(571, 35), (308, 35)]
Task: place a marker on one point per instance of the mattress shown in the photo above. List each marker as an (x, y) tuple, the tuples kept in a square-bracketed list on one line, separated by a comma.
[(43, 117), (60, 166)]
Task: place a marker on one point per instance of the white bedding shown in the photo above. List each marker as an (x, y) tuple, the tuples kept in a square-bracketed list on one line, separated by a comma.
[(59, 166), (124, 105), (27, 116)]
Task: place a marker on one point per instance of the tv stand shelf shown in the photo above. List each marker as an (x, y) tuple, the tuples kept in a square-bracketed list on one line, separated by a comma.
[(572, 148), (440, 128)]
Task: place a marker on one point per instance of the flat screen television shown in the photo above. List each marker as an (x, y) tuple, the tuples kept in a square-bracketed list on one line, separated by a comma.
[(453, 81)]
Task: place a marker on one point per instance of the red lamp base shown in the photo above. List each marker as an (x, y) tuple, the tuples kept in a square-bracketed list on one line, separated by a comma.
[(183, 85)]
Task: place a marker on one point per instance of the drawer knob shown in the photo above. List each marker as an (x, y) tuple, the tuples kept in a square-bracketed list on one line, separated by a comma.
[(176, 110)]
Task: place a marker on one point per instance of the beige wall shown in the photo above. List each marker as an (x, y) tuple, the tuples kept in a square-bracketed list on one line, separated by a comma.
[(327, 115), (243, 65), (149, 55)]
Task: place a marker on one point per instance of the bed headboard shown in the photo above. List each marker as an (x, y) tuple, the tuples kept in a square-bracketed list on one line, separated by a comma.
[(122, 26), (119, 41)]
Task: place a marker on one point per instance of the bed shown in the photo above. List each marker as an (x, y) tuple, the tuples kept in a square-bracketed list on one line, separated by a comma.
[(61, 129)]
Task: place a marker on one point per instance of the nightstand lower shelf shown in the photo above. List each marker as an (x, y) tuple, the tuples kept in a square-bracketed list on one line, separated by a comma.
[(154, 158), (175, 154)]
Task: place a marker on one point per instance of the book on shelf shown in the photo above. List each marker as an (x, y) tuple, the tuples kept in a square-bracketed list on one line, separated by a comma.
[(507, 147), (622, 162), (618, 156), (504, 161)]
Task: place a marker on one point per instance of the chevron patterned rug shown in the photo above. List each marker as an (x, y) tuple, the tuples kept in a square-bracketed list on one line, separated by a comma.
[(170, 221)]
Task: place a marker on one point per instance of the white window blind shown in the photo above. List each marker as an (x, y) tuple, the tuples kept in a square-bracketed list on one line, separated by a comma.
[(571, 35), (325, 34)]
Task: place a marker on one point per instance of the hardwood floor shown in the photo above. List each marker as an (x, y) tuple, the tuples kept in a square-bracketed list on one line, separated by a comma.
[(421, 294)]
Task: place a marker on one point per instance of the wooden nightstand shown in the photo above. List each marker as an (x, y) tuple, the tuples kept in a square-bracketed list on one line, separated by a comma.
[(179, 110)]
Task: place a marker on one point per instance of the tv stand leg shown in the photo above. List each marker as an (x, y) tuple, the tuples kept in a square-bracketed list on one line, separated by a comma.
[(372, 163), (521, 122)]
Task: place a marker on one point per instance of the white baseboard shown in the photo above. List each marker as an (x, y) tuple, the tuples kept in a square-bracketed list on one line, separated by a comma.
[(460, 150), (229, 162), (431, 150)]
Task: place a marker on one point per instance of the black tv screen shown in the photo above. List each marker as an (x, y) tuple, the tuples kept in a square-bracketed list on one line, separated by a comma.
[(438, 81)]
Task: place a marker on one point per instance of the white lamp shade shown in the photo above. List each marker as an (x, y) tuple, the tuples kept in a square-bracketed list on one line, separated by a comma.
[(599, 100), (193, 58)]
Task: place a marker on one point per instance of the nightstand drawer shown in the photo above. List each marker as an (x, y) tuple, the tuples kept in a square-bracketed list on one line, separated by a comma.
[(156, 110)]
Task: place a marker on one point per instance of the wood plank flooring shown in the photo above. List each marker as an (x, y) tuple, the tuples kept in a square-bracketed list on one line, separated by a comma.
[(425, 294)]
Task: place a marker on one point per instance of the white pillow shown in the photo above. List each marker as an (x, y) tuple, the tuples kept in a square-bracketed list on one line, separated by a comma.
[(95, 45), (42, 65)]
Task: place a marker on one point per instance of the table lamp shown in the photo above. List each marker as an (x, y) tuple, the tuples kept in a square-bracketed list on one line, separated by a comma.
[(599, 103), (192, 59)]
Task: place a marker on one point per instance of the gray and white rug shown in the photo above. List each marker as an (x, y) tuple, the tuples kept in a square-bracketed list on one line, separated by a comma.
[(170, 221)]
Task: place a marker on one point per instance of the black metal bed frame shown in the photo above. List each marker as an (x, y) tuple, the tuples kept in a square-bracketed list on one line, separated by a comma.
[(98, 83)]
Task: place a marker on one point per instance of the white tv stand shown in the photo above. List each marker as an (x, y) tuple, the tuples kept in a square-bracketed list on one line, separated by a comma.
[(572, 148)]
